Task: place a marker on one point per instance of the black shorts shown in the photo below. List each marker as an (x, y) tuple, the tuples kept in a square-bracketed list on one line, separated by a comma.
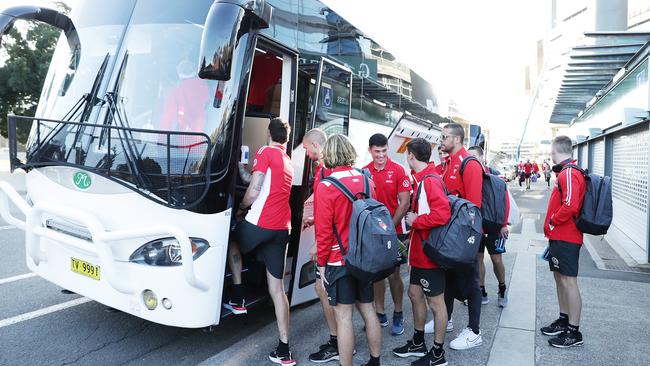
[(271, 245), (432, 281), (343, 288), (527, 175), (490, 242), (564, 257)]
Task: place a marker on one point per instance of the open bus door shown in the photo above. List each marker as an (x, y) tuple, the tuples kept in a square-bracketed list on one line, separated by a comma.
[(408, 128), (330, 111)]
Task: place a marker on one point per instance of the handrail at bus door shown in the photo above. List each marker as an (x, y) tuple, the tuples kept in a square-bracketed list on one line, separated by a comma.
[(9, 194)]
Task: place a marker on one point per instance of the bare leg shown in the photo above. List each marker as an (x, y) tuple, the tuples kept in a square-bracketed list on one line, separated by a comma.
[(235, 262), (328, 310), (373, 330), (396, 289), (345, 332), (562, 301), (573, 298), (379, 289), (281, 305), (437, 305), (498, 267), (419, 307)]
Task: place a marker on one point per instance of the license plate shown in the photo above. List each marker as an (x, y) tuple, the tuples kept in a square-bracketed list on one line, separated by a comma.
[(85, 268)]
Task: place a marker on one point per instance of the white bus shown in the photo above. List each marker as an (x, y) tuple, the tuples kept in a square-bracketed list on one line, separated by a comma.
[(147, 113)]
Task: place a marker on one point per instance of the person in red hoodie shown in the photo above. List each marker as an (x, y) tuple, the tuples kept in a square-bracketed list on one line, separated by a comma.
[(343, 290), (565, 241), (467, 185), (430, 209), (495, 244)]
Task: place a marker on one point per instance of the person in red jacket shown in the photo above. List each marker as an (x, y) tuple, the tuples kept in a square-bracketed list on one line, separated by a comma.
[(467, 185), (343, 290), (528, 171), (565, 241), (429, 210), (495, 245), (394, 191), (313, 142)]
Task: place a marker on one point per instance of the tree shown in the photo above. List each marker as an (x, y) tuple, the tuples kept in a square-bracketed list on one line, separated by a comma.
[(21, 78)]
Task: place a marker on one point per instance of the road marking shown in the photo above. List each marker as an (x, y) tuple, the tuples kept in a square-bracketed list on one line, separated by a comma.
[(7, 227), (16, 278), (38, 313)]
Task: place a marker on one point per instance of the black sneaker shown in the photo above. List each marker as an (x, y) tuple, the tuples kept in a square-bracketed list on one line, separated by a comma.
[(411, 350), (326, 353), (566, 339), (286, 360), (237, 307), (557, 327), (431, 360)]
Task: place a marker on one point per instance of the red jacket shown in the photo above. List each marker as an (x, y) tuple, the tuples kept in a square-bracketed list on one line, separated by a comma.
[(565, 205), (334, 208), (470, 185), (433, 210)]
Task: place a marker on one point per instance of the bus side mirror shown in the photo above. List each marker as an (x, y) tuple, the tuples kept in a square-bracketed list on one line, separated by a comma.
[(48, 16), (224, 26)]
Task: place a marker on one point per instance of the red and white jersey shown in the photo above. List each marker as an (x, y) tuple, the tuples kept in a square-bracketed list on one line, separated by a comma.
[(390, 181), (271, 209)]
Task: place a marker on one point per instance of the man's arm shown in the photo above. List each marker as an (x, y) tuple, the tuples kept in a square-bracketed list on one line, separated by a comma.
[(571, 188), (254, 189), (402, 208), (439, 210), (473, 182)]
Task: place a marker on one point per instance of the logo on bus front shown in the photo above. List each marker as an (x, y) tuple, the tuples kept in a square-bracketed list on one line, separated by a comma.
[(81, 180)]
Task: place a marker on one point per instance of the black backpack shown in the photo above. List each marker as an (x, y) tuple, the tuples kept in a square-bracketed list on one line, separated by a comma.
[(455, 244), (373, 248), (493, 201), (597, 212)]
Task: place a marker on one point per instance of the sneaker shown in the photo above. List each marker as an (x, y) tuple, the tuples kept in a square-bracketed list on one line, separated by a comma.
[(465, 302), (431, 360), (566, 339), (466, 340), (429, 327), (502, 302), (557, 327), (383, 320), (286, 360), (236, 307), (411, 350), (398, 325), (327, 352), (484, 300)]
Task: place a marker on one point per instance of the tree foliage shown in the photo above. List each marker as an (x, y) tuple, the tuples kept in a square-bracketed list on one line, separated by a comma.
[(21, 78)]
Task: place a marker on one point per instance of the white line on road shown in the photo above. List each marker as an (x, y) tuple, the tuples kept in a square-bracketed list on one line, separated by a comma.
[(41, 312), (16, 278), (7, 227)]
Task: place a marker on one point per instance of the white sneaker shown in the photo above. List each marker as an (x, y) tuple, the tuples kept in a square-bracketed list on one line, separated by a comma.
[(429, 327), (466, 340)]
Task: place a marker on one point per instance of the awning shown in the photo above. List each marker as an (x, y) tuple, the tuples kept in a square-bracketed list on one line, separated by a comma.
[(591, 68)]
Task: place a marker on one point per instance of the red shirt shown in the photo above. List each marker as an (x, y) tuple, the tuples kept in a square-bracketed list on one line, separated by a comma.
[(271, 209), (565, 205), (390, 181), (470, 185), (432, 209), (334, 208), (185, 106), (528, 167), (535, 167)]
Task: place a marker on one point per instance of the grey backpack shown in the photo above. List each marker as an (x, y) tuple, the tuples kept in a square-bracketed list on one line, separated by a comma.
[(455, 244), (372, 244), (596, 213), (493, 201)]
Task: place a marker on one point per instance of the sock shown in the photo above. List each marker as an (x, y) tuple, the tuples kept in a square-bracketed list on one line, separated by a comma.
[(237, 292), (283, 348), (502, 289), (398, 313), (573, 328), (483, 291), (333, 341), (564, 318), (437, 349), (476, 331), (418, 337), (374, 361)]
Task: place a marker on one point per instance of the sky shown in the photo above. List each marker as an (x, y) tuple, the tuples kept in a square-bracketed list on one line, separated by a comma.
[(473, 51)]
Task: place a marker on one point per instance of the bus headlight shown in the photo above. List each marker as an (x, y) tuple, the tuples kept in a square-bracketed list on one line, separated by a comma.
[(150, 300), (166, 252)]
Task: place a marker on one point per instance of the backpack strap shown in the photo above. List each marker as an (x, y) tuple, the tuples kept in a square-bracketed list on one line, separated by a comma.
[(574, 166), (341, 187), (338, 239), (466, 160), (417, 195)]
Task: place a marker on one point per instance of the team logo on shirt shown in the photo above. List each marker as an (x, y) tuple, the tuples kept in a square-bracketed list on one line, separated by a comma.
[(405, 184)]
